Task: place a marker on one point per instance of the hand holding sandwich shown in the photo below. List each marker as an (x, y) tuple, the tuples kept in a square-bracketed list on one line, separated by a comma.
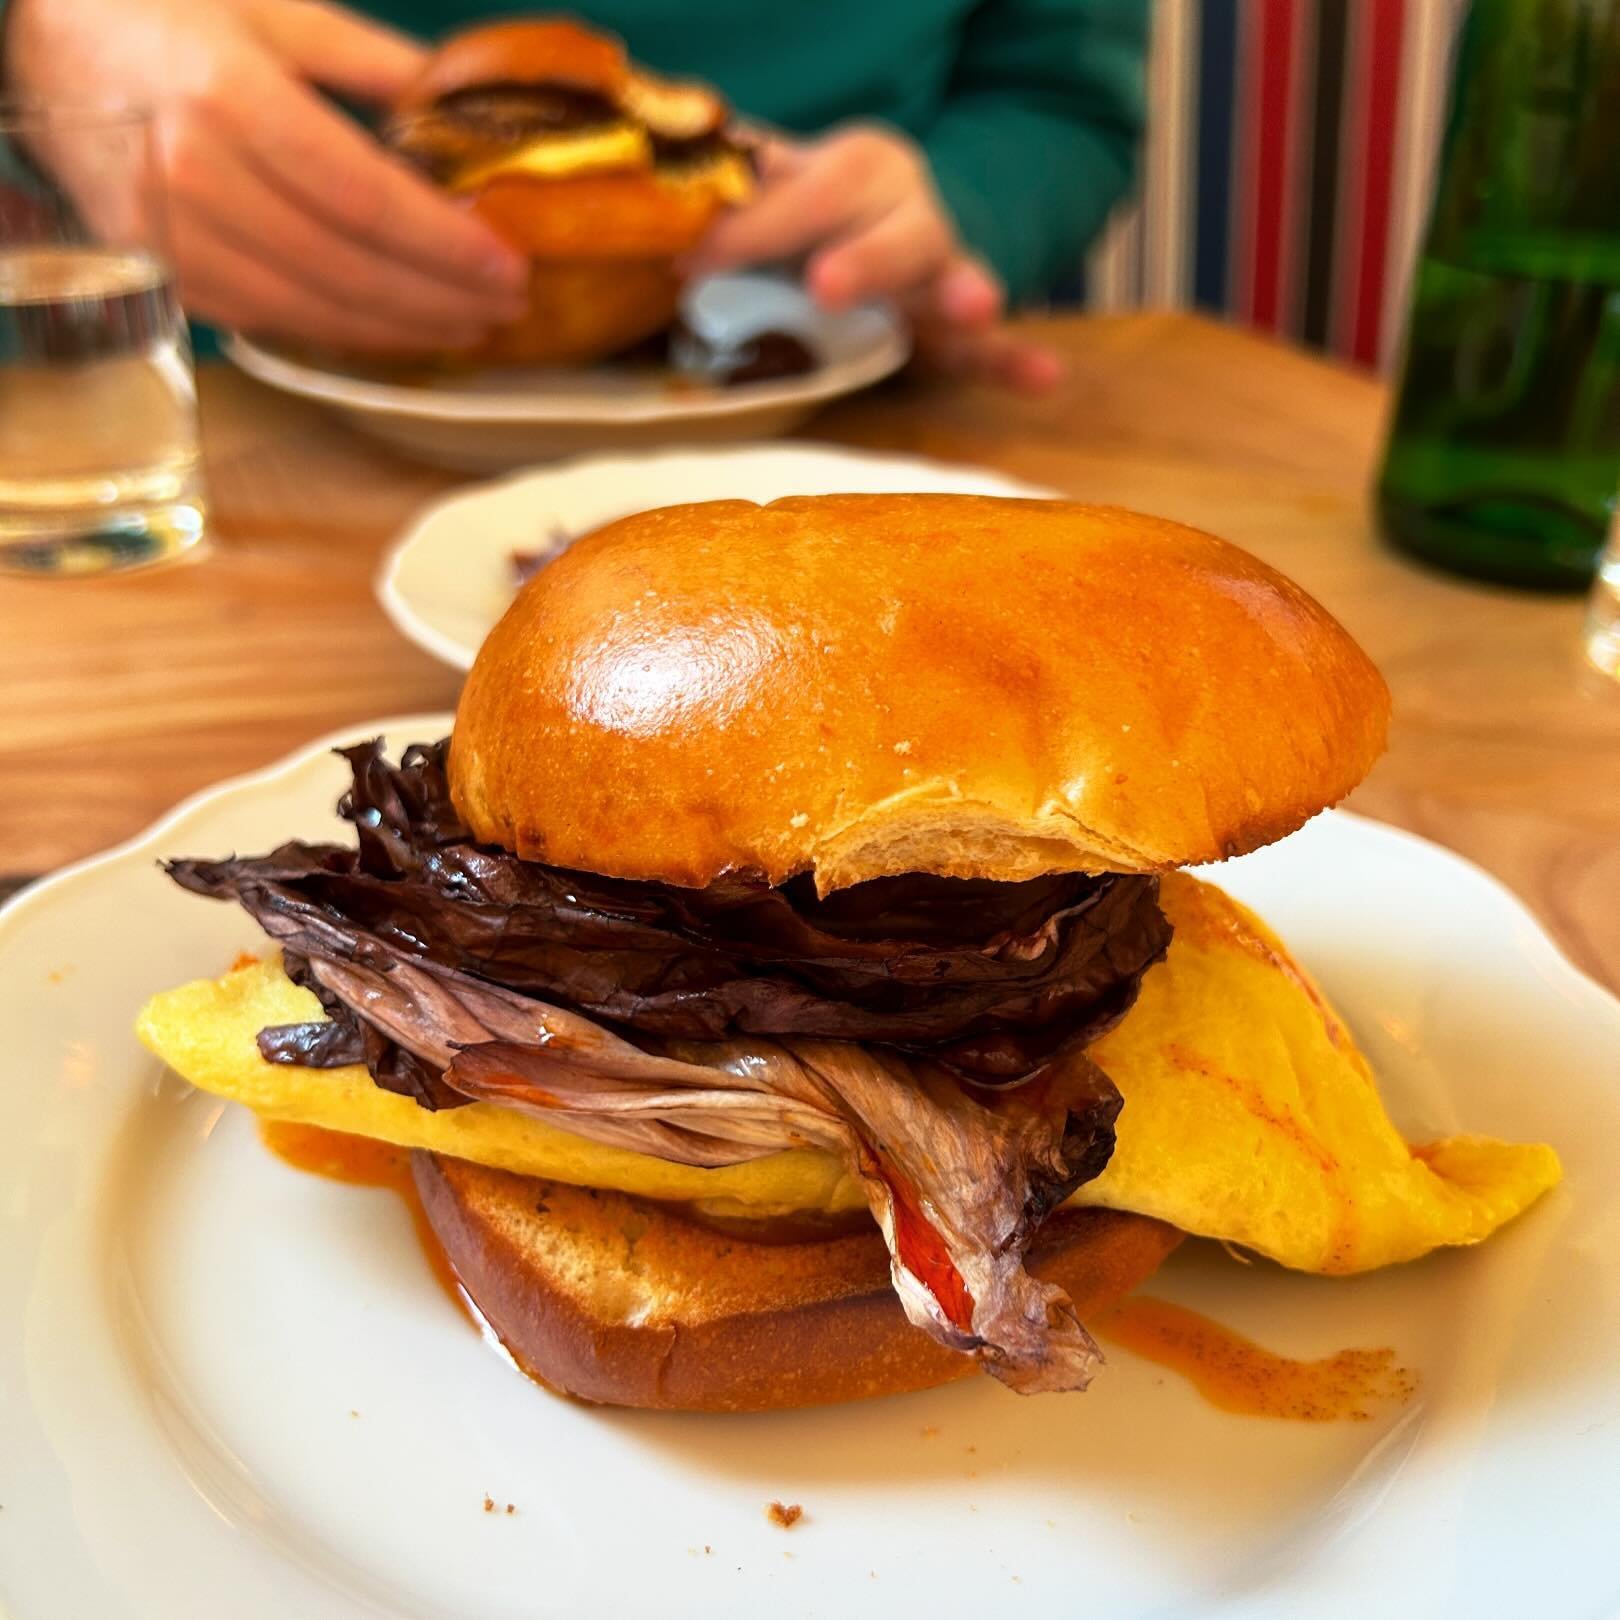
[(288, 220), (285, 218), (861, 207)]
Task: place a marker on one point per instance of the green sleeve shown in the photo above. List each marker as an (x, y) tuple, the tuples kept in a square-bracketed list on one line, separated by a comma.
[(1037, 138)]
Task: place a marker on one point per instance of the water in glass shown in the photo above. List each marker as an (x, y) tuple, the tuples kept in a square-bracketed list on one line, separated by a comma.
[(98, 411)]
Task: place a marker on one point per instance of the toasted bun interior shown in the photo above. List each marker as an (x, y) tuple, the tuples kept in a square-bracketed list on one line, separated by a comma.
[(620, 1301), (861, 685)]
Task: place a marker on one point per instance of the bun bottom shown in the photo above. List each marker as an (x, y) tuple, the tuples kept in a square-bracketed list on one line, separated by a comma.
[(582, 310), (623, 1302)]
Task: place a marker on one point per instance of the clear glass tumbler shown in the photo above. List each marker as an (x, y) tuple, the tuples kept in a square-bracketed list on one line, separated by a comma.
[(1602, 639), (98, 403)]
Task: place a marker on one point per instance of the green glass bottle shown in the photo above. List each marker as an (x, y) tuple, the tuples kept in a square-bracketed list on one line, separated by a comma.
[(1504, 452)]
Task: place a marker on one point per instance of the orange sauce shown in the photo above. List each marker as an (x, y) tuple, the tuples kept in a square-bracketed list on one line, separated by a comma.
[(1228, 1370), (362, 1162), (1238, 1375)]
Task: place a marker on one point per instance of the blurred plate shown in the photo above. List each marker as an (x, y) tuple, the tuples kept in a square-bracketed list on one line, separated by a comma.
[(486, 421), (229, 1389), (450, 575)]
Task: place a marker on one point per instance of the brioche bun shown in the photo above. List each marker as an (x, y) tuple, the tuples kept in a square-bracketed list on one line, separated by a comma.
[(863, 685), (621, 1301), (602, 251), (601, 217), (539, 50), (591, 218), (576, 313)]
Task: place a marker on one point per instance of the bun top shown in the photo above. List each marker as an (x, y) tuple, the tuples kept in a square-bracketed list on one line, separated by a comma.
[(559, 53), (553, 51), (863, 685)]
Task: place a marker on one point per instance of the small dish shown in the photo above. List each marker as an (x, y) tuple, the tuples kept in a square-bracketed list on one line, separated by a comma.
[(450, 576), (490, 420)]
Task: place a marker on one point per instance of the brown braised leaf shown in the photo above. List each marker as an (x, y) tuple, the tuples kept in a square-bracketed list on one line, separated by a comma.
[(958, 1178), (992, 980)]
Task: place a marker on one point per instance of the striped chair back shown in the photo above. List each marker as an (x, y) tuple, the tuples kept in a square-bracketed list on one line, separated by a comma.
[(1288, 167)]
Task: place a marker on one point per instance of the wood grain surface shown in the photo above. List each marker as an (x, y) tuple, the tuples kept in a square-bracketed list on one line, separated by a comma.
[(122, 695)]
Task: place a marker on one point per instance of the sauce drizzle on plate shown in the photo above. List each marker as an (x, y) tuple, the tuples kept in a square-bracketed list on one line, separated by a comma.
[(1238, 1375), (1228, 1370)]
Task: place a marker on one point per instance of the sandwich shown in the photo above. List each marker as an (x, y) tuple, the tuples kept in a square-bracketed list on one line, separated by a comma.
[(603, 173), (785, 974)]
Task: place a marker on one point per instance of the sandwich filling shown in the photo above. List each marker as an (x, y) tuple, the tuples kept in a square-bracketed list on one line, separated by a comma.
[(466, 138), (928, 1031)]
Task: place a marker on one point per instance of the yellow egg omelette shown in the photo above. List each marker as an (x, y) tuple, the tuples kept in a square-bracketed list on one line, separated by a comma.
[(1250, 1116)]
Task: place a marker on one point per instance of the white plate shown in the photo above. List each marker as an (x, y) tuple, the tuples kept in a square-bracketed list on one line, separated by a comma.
[(449, 576), (485, 421), (228, 1389)]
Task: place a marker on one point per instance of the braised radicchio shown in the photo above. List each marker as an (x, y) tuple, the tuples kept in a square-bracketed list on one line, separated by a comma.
[(991, 980), (909, 1026)]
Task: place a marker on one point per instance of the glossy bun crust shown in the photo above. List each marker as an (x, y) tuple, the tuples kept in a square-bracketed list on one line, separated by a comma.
[(580, 311), (537, 50), (602, 250), (861, 685), (626, 1302), (619, 283)]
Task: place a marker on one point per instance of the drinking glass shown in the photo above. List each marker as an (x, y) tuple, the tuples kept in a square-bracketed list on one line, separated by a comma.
[(98, 403), (1603, 608), (1504, 449)]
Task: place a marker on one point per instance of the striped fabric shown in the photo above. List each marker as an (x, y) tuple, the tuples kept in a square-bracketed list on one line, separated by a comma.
[(1288, 168)]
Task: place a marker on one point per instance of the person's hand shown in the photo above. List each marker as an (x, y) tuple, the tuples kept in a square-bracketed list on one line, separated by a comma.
[(284, 217), (860, 206)]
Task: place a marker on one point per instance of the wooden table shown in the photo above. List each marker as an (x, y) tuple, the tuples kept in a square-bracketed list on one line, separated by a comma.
[(122, 695)]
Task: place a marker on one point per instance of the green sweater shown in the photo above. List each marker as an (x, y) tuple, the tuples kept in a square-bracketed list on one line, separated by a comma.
[(1029, 109)]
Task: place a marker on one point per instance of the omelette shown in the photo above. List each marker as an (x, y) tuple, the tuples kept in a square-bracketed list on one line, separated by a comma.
[(1249, 1115)]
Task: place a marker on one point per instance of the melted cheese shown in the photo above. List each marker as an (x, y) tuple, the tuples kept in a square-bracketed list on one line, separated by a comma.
[(727, 176), (552, 157)]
